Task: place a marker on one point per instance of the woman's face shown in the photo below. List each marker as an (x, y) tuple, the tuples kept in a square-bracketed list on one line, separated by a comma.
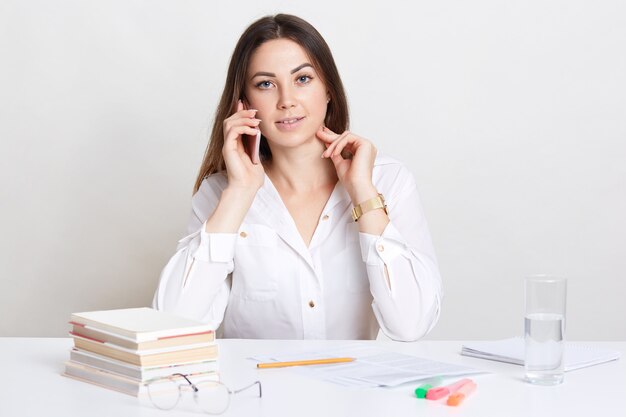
[(289, 95)]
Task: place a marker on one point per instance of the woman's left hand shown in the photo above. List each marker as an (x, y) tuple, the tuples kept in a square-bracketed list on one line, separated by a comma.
[(353, 157)]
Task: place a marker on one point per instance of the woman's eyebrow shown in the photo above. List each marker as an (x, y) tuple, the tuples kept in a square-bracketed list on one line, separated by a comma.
[(271, 74), (299, 67)]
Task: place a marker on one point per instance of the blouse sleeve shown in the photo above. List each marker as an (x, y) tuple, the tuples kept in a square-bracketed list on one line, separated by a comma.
[(196, 283), (401, 265)]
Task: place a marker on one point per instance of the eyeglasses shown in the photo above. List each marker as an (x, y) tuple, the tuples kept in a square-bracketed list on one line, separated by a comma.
[(211, 397)]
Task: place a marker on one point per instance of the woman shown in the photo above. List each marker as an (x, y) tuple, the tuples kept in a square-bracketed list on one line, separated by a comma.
[(274, 251)]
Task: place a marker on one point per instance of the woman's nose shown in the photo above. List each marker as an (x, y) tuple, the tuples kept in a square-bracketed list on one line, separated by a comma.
[(286, 99)]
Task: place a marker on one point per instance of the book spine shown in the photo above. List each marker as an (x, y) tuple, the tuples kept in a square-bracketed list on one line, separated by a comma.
[(139, 373), (180, 357), (141, 337)]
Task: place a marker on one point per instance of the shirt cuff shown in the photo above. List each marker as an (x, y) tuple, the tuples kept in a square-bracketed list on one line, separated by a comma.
[(379, 250), (216, 247)]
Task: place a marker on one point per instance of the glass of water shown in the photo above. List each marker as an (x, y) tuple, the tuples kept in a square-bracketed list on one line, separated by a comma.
[(544, 329)]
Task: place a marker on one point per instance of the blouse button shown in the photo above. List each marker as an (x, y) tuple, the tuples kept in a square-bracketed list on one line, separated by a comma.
[(380, 248), (325, 217), (311, 304), (243, 234)]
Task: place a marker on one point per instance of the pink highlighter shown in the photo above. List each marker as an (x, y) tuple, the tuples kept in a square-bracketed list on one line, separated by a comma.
[(440, 392), (461, 393)]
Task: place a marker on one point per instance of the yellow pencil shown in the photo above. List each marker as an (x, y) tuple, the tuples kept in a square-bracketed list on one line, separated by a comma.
[(307, 362)]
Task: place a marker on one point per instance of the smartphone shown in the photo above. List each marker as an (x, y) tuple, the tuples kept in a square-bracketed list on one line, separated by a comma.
[(251, 145)]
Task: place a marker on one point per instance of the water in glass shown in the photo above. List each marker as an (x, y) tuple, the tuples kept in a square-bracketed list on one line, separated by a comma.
[(544, 348)]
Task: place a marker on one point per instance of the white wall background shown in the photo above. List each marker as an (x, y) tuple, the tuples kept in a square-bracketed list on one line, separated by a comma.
[(511, 114)]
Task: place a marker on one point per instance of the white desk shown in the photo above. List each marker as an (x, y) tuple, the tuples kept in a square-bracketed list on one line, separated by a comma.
[(32, 385)]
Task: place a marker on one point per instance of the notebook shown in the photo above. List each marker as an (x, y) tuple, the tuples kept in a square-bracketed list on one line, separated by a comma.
[(512, 351)]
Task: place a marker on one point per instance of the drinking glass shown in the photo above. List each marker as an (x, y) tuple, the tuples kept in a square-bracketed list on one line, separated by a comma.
[(544, 329)]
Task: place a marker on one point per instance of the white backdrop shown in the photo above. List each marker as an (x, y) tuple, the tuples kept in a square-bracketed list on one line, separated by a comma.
[(511, 115)]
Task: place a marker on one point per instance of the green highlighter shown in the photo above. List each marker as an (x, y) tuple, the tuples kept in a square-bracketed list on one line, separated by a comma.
[(420, 392)]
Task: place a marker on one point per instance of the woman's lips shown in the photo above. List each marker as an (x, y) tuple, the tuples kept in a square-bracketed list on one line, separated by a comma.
[(289, 124)]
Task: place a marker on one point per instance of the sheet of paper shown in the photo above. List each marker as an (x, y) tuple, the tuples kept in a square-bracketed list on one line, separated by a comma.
[(512, 351), (373, 367)]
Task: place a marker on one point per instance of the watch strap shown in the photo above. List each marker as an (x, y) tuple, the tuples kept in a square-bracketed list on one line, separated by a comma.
[(375, 203)]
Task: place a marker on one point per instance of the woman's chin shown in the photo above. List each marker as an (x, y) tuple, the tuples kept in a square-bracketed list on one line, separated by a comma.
[(293, 142)]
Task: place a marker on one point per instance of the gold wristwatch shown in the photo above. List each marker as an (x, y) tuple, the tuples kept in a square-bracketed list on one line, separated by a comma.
[(377, 202)]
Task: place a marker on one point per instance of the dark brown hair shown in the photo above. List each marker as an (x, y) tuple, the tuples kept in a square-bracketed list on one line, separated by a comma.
[(281, 26)]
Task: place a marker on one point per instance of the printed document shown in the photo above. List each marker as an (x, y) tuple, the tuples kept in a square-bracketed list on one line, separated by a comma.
[(373, 367)]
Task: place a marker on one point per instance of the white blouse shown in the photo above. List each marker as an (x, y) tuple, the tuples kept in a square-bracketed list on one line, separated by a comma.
[(264, 282)]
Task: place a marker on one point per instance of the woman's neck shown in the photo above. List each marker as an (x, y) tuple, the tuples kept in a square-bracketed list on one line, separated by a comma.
[(301, 169)]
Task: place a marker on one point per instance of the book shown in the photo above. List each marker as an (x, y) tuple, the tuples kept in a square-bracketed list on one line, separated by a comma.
[(512, 351), (121, 383), (166, 356), (137, 372), (139, 324), (88, 332)]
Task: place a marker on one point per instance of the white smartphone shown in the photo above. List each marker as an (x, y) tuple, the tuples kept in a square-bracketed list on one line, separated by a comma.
[(251, 145)]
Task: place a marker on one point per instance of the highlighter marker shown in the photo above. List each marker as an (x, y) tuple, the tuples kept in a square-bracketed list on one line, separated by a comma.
[(420, 392), (440, 392), (463, 392)]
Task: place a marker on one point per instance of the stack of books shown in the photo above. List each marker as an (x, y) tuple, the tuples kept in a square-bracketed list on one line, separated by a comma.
[(125, 349)]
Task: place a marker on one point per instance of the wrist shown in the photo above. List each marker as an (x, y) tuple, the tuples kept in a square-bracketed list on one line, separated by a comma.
[(369, 206), (363, 193), (246, 193), (231, 209)]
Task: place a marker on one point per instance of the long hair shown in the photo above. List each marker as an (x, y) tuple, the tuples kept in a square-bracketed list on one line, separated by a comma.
[(281, 26)]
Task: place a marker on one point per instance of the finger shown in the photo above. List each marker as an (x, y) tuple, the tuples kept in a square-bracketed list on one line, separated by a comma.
[(332, 148), (249, 112), (243, 111), (337, 159), (243, 121), (347, 147), (349, 144), (327, 130), (246, 113), (241, 114), (326, 134), (340, 145), (237, 131), (246, 130)]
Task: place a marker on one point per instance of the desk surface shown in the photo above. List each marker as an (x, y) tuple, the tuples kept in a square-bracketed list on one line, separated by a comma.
[(33, 386)]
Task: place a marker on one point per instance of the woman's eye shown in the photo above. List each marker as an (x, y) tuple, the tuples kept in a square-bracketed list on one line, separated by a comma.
[(304, 79), (264, 84)]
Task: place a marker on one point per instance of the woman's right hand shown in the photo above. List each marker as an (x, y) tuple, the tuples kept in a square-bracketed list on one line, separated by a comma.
[(242, 173)]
